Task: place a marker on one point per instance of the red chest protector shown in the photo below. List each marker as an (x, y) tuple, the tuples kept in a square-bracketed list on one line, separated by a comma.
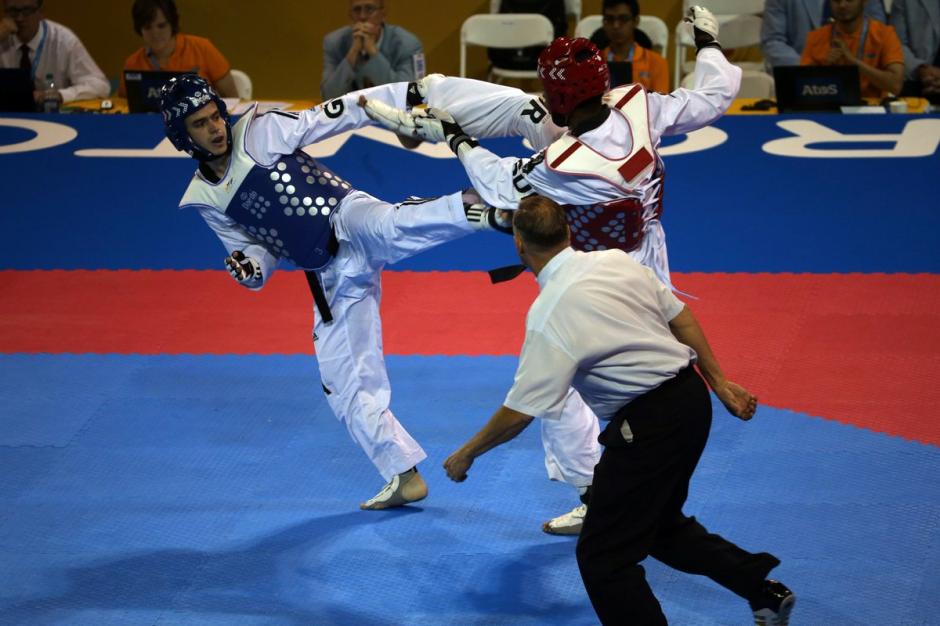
[(618, 223)]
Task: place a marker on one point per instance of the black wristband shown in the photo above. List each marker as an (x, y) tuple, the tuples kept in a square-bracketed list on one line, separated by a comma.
[(710, 44), (456, 137), (455, 141), (413, 96)]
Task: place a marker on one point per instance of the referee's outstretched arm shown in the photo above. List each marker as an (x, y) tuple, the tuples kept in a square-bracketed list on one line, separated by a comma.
[(738, 400)]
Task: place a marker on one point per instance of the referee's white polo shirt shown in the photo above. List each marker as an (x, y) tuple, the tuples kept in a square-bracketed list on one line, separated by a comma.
[(601, 325)]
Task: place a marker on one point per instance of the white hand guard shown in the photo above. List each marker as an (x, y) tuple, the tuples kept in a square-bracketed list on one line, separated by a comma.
[(484, 217), (401, 122), (242, 268), (429, 124), (704, 27)]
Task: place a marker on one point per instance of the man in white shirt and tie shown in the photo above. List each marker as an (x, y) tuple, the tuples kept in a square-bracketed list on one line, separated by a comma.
[(605, 325), (42, 47)]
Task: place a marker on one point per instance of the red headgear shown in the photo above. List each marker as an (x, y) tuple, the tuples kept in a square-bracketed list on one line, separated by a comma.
[(572, 71)]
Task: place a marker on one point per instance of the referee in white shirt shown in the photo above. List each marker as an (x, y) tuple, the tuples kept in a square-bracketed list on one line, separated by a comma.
[(607, 326)]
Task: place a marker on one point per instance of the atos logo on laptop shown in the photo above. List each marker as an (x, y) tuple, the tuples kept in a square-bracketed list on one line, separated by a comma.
[(820, 90)]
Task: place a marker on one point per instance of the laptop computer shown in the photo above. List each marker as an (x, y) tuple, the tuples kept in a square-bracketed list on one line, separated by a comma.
[(816, 87), (143, 89), (16, 91), (621, 73)]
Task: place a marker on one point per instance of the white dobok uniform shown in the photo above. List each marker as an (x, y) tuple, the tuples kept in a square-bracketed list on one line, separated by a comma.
[(277, 202), (609, 178)]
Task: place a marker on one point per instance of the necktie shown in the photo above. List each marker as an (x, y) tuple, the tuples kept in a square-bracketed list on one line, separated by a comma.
[(827, 12), (24, 59)]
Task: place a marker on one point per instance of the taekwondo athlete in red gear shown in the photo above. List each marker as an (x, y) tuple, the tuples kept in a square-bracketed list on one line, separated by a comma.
[(603, 166), (267, 200)]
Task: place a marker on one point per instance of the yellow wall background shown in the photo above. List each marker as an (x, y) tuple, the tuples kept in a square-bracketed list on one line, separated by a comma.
[(279, 42)]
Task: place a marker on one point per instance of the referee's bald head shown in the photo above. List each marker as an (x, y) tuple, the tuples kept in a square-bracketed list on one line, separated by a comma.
[(540, 223)]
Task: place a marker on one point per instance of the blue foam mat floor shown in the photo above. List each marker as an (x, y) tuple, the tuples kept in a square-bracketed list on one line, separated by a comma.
[(221, 490)]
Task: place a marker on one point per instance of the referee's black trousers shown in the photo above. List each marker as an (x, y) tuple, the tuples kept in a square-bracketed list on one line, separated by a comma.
[(636, 508)]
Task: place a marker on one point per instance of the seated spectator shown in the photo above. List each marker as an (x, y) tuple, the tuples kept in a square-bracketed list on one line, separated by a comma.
[(853, 39), (368, 52), (787, 22), (158, 24), (42, 47), (600, 39), (918, 27), (620, 19)]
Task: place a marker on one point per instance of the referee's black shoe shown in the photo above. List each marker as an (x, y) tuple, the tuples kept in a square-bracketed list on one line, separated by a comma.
[(772, 607)]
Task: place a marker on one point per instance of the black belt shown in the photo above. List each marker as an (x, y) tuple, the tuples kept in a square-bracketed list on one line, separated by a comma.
[(316, 289), (502, 274)]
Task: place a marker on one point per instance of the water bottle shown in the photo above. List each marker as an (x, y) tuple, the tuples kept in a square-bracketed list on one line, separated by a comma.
[(50, 103)]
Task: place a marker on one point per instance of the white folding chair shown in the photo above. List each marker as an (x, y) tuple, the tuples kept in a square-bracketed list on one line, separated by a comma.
[(657, 30), (742, 31), (572, 8), (242, 84), (756, 84), (735, 31), (505, 30), (587, 25)]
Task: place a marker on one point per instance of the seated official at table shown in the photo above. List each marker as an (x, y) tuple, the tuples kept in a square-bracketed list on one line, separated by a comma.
[(620, 20), (167, 49), (42, 47), (854, 39)]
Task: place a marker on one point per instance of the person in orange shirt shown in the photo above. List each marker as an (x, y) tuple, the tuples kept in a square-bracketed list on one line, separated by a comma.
[(166, 49), (649, 68), (853, 39)]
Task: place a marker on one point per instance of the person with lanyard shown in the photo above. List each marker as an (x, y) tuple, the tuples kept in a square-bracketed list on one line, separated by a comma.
[(620, 20), (369, 52), (786, 23), (597, 153), (608, 326), (158, 23), (41, 47), (854, 39), (268, 201)]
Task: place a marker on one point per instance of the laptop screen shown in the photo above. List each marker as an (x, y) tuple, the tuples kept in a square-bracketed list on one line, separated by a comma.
[(16, 91), (621, 73), (143, 89), (816, 87)]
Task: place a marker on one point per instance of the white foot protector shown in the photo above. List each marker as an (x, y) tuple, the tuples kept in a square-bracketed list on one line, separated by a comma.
[(403, 488), (568, 524)]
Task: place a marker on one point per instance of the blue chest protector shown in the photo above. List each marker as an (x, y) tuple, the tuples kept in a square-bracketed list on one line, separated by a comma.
[(286, 207)]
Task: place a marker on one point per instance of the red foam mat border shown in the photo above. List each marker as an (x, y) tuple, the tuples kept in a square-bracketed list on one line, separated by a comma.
[(859, 348)]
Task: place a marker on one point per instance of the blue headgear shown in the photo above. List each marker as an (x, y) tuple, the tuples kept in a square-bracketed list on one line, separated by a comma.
[(181, 97)]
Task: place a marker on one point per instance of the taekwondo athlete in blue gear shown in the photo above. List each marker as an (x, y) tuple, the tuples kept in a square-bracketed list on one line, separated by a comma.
[(267, 200)]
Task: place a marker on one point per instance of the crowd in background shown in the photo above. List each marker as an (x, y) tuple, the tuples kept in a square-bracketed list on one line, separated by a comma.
[(897, 52)]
